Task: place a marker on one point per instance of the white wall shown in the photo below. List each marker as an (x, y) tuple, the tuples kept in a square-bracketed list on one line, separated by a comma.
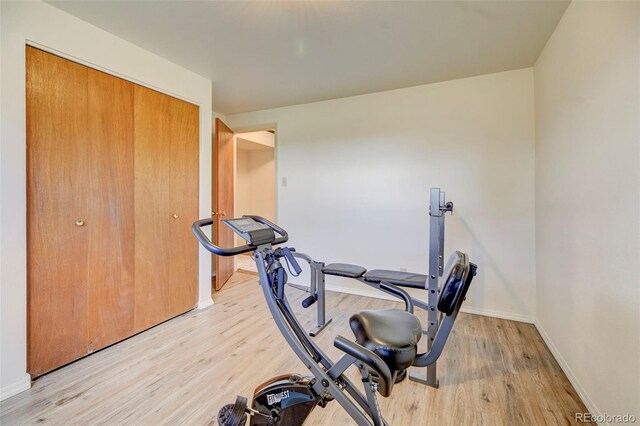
[(255, 183), (587, 89), (359, 170), (49, 28), (255, 178)]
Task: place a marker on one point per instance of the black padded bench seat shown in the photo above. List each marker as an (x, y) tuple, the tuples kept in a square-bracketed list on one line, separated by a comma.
[(344, 270), (402, 279)]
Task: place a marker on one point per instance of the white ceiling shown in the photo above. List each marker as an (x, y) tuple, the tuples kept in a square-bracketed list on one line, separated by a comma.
[(264, 54), (247, 145), (255, 141)]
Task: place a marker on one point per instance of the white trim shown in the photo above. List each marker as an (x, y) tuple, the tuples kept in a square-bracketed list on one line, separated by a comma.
[(582, 393), (498, 314), (204, 303), (109, 71), (15, 387), (369, 292)]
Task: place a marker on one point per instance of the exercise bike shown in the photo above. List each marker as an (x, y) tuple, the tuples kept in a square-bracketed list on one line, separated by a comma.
[(385, 345)]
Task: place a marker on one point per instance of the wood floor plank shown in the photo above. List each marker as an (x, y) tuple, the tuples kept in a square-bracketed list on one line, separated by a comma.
[(492, 372)]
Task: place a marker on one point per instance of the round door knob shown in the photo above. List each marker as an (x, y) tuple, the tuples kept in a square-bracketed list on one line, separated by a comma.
[(79, 222), (175, 215)]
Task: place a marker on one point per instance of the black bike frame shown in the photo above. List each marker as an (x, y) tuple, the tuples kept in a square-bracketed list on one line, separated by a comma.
[(297, 339)]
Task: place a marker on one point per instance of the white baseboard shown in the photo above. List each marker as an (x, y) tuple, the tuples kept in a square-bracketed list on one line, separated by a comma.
[(370, 292), (15, 388), (568, 372), (498, 314), (205, 303)]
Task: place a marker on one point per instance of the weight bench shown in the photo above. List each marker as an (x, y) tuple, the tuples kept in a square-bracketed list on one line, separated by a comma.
[(374, 278), (444, 304), (403, 279), (377, 278)]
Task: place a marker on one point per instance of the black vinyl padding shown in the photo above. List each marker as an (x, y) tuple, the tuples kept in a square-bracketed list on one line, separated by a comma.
[(402, 279), (456, 283), (344, 270), (392, 334)]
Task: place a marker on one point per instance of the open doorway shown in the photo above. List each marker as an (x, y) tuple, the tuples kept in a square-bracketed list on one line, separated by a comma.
[(255, 183), (244, 182)]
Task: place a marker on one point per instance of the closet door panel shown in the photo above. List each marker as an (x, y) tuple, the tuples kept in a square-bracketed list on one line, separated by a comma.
[(57, 171), (184, 200), (111, 228), (153, 212)]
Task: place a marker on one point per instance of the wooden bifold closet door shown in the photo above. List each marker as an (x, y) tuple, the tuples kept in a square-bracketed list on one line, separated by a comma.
[(166, 135), (89, 283)]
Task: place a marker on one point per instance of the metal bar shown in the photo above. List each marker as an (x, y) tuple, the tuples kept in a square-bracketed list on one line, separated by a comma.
[(316, 288), (321, 295), (421, 304), (441, 218), (310, 288), (385, 289), (302, 256), (435, 216), (341, 366), (313, 271), (429, 359), (299, 287), (324, 359), (356, 395), (372, 402)]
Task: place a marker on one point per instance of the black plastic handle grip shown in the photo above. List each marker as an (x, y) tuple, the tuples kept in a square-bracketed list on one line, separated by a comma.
[(309, 301), (224, 251), (281, 282), (292, 260)]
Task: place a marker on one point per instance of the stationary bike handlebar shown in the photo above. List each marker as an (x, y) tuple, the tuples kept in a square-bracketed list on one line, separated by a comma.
[(232, 251)]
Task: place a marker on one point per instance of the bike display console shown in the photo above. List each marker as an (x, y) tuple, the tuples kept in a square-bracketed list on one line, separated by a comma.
[(254, 232)]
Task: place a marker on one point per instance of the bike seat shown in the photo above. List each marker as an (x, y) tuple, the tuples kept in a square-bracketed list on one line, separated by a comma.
[(392, 334)]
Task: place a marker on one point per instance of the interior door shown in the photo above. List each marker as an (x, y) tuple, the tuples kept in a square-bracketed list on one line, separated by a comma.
[(166, 204), (110, 302), (222, 235), (112, 191), (152, 210), (57, 211), (183, 199)]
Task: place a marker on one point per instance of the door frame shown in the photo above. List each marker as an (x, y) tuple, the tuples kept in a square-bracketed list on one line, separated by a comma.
[(263, 127), (214, 164), (216, 201)]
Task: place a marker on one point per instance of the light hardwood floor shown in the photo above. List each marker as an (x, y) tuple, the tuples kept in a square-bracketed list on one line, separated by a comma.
[(493, 372), (246, 264)]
